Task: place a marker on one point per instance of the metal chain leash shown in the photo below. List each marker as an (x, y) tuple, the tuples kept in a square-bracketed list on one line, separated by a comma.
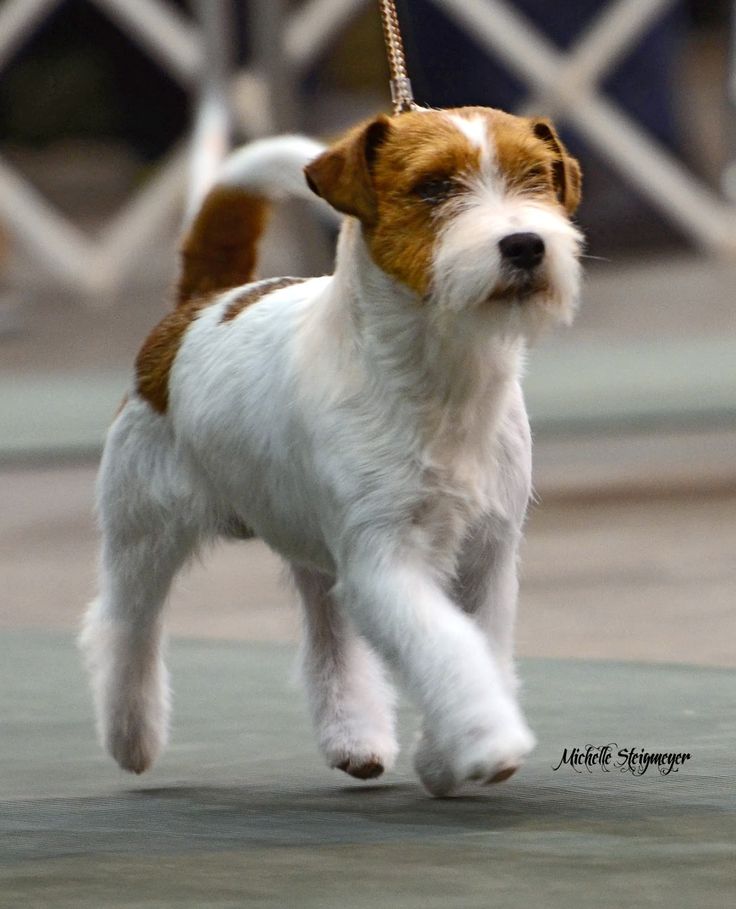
[(401, 93)]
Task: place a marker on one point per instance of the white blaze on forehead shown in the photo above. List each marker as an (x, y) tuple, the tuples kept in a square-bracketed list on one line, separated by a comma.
[(475, 130)]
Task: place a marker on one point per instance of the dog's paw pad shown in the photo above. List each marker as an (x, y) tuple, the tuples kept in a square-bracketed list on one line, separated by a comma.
[(500, 775), (361, 769), (365, 757)]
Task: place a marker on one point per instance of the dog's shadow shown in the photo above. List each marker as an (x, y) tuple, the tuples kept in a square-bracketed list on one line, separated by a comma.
[(181, 818), (392, 810)]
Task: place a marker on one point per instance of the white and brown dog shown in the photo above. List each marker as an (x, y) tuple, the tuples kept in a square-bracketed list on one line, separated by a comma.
[(369, 426)]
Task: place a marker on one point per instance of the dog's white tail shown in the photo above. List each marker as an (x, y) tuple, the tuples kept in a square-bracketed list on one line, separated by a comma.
[(220, 246)]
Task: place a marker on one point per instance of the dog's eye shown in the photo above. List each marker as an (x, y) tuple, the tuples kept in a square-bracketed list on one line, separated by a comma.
[(435, 189)]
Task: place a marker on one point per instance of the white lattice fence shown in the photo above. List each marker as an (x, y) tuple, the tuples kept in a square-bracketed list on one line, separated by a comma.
[(287, 40), (97, 265)]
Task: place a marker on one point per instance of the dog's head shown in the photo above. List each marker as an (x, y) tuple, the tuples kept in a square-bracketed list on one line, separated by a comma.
[(470, 208)]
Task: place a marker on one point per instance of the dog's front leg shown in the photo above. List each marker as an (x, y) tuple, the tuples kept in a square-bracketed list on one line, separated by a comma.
[(473, 729), (487, 587), (352, 703)]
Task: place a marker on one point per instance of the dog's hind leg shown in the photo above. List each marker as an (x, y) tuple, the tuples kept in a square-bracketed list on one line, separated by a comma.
[(146, 521), (351, 701)]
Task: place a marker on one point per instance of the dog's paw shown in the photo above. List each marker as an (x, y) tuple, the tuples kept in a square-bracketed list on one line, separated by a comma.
[(134, 721), (135, 743), (365, 760), (131, 693), (482, 755)]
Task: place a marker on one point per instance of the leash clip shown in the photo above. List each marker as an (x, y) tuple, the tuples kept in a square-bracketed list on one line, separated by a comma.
[(401, 93)]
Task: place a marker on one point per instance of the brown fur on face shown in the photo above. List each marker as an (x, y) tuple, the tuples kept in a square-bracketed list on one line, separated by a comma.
[(565, 169), (379, 173), (342, 174), (372, 174), (421, 150)]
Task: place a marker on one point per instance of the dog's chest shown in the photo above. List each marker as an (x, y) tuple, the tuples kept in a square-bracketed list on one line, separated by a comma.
[(457, 488)]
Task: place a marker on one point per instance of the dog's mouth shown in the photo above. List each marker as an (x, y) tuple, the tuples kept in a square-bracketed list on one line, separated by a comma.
[(518, 287)]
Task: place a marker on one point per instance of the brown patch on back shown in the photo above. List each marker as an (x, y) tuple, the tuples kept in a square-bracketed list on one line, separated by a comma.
[(156, 357), (219, 250), (249, 297)]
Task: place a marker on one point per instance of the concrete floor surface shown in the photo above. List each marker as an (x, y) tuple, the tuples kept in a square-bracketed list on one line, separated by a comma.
[(240, 811)]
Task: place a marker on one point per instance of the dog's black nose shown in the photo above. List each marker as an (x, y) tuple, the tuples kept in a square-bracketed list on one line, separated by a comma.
[(522, 250)]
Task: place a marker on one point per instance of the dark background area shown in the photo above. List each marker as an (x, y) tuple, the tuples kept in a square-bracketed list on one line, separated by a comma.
[(81, 79)]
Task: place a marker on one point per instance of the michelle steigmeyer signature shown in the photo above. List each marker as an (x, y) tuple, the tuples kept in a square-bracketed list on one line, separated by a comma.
[(636, 760)]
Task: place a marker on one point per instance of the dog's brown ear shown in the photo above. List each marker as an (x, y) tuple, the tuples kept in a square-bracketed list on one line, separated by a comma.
[(566, 170), (342, 174)]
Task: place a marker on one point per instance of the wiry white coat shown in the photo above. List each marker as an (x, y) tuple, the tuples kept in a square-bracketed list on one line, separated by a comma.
[(382, 448)]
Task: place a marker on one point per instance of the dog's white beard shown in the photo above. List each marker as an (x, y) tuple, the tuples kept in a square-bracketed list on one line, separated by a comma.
[(468, 267)]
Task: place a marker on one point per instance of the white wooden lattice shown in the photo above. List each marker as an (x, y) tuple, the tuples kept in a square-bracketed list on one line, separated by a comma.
[(194, 52)]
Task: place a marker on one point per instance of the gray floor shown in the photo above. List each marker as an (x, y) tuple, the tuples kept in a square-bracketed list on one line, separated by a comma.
[(240, 812)]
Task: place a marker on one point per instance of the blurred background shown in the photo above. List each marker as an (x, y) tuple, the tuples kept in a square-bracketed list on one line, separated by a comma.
[(113, 117)]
